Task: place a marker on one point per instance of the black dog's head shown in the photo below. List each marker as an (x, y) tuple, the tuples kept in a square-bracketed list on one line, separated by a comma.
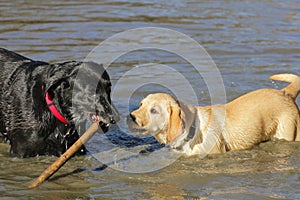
[(81, 91)]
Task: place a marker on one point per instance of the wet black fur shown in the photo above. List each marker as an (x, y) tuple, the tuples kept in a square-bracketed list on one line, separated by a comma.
[(78, 89)]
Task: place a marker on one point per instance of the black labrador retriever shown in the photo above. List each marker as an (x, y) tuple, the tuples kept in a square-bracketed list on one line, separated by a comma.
[(43, 106)]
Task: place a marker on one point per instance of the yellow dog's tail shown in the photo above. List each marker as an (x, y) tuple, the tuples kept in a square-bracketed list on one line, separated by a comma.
[(292, 89)]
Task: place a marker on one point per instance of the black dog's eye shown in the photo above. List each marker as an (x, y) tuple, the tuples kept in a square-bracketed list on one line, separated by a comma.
[(66, 85), (153, 111)]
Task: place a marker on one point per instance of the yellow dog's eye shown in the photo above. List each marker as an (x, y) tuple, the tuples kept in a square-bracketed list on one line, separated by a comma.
[(153, 111)]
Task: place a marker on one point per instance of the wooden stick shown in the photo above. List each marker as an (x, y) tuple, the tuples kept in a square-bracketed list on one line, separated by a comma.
[(63, 158)]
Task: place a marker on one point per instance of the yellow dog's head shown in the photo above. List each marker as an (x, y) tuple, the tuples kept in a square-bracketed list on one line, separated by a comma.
[(160, 115)]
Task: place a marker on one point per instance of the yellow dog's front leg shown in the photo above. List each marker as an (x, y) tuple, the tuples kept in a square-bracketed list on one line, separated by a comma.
[(198, 149), (192, 151)]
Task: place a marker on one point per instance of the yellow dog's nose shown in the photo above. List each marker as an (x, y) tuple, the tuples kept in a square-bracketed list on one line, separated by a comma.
[(132, 116)]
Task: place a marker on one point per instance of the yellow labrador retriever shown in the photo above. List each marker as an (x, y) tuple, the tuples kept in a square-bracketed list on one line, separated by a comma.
[(248, 120)]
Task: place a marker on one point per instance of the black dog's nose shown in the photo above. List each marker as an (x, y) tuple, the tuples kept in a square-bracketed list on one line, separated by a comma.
[(132, 117), (112, 120)]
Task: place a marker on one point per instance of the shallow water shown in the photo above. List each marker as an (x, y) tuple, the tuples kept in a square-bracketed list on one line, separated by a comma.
[(247, 40)]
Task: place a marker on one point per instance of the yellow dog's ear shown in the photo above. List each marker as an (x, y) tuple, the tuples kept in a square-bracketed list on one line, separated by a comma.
[(175, 127)]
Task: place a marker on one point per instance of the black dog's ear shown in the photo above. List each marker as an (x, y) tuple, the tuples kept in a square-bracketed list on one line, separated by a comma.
[(59, 74)]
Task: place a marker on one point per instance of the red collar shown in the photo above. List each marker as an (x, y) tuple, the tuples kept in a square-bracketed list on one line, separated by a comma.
[(54, 110)]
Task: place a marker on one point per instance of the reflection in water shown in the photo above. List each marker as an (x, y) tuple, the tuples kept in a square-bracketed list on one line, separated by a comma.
[(248, 41)]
